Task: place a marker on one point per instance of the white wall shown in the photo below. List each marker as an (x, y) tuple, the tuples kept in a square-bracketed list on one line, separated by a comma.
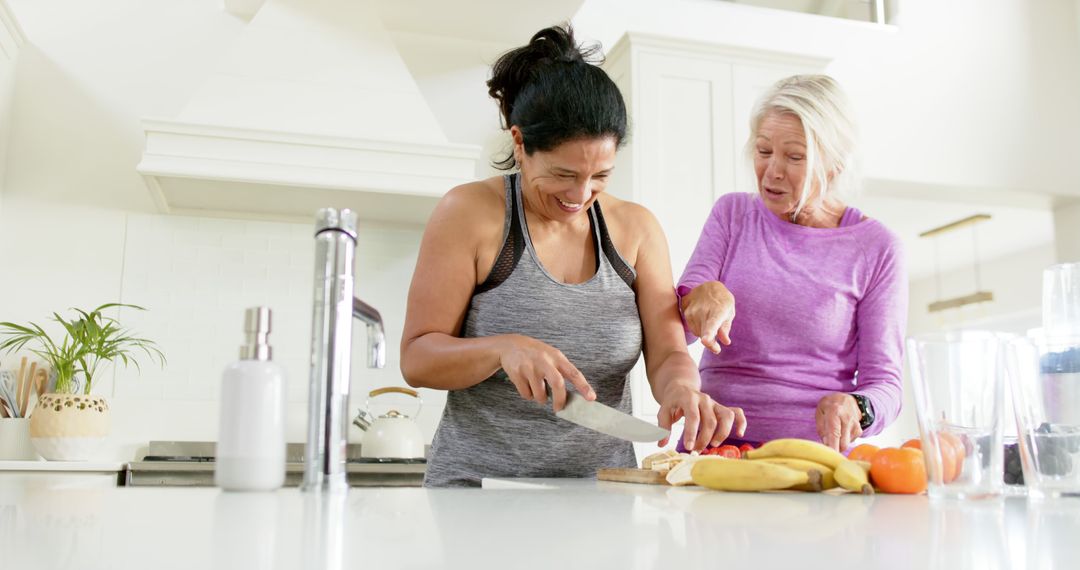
[(1067, 231), (958, 94), (9, 51), (79, 229), (1015, 280), (7, 81)]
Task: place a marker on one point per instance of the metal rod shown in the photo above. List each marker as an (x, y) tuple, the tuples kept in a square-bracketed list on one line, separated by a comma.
[(937, 271), (980, 297), (877, 11), (975, 257), (956, 225)]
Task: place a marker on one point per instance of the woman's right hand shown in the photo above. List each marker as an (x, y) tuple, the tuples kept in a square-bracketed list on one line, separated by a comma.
[(530, 363), (709, 309)]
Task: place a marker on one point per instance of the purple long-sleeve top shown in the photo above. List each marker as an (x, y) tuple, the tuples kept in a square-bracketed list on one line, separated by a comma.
[(817, 311)]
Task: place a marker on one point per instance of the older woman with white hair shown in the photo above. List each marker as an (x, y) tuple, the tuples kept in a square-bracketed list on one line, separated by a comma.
[(820, 289)]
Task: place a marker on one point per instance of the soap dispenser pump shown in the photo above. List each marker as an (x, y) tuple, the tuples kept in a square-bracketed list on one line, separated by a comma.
[(251, 432)]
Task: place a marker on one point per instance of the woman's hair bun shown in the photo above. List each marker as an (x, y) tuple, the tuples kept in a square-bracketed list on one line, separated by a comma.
[(553, 90)]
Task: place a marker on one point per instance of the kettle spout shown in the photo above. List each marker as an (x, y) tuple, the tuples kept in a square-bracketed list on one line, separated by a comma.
[(363, 420)]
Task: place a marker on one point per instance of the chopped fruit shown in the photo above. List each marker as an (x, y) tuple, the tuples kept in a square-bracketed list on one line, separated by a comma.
[(744, 448), (729, 451), (657, 457)]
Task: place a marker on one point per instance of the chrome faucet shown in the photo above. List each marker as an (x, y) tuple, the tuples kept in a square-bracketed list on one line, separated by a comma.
[(331, 348)]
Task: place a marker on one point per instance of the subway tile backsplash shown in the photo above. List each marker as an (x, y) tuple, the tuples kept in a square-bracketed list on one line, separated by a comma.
[(197, 275)]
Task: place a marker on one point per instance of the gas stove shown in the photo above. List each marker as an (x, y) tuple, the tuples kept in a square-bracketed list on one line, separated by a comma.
[(191, 464)]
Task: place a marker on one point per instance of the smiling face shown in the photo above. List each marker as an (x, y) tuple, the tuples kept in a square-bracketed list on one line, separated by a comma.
[(565, 181), (780, 163)]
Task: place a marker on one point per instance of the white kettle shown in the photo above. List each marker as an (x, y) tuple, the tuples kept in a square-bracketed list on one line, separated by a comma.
[(392, 435)]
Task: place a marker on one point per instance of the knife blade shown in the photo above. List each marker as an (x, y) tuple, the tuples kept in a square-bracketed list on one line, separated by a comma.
[(608, 420)]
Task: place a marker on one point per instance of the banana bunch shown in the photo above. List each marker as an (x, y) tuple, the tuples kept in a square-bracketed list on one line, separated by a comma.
[(795, 464)]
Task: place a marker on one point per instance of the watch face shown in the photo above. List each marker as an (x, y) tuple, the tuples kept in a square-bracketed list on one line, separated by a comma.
[(866, 410)]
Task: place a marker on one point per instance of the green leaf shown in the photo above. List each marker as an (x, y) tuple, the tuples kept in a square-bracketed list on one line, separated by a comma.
[(90, 339)]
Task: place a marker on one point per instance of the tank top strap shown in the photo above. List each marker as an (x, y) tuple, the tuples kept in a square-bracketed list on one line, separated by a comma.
[(513, 239), (614, 259)]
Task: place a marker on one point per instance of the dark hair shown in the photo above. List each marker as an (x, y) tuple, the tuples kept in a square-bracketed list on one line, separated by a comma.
[(553, 92)]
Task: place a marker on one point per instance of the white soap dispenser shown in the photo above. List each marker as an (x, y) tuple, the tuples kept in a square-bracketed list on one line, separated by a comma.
[(251, 432)]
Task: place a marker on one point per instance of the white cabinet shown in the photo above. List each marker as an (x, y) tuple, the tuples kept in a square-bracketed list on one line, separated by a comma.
[(689, 105)]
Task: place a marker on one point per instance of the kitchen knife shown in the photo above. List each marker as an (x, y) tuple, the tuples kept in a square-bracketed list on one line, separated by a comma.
[(608, 420)]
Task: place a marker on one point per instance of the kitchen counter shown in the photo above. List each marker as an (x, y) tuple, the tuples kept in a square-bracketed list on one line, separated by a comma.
[(107, 473), (185, 474), (111, 467), (520, 524)]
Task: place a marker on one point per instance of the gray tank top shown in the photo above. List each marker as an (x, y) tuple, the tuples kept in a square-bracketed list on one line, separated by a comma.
[(489, 430)]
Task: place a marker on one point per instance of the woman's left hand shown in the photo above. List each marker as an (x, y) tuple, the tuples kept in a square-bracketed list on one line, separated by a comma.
[(838, 417), (707, 422)]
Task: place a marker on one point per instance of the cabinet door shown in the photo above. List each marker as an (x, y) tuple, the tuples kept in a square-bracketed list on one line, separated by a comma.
[(682, 146), (683, 143)]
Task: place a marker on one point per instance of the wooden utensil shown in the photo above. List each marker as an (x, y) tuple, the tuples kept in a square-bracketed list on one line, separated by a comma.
[(26, 389), (42, 381), (39, 382), (19, 386), (627, 475)]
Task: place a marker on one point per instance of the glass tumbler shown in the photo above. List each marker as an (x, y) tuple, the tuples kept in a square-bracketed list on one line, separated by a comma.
[(1061, 300), (958, 380), (1044, 375)]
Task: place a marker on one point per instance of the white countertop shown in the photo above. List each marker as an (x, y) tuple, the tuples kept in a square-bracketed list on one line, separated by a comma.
[(64, 466), (519, 524)]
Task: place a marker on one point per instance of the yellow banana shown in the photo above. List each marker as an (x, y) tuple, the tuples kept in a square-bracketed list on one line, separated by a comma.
[(799, 449), (852, 476), (827, 479), (739, 475)]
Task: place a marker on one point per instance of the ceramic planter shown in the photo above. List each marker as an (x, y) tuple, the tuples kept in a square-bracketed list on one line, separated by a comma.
[(69, 427)]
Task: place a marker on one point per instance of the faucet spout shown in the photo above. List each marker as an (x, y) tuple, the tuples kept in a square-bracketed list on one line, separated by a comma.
[(333, 310), (375, 333)]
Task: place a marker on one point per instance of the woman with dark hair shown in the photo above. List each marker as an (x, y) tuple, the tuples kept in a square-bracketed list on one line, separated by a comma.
[(538, 282)]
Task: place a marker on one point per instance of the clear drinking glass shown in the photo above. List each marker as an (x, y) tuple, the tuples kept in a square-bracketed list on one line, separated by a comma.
[(1044, 375), (1061, 300), (958, 384)]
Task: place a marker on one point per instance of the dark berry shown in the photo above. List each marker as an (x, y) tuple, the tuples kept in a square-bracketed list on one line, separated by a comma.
[(1054, 460)]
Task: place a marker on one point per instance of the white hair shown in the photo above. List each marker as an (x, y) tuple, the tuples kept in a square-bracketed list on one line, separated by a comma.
[(828, 126)]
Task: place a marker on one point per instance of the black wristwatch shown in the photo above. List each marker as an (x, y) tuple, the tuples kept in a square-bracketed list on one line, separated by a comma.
[(866, 409)]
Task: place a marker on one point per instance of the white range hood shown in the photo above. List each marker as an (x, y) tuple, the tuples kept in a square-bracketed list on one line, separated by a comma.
[(312, 107)]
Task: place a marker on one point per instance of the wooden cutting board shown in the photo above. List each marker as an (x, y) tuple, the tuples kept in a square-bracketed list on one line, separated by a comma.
[(627, 475)]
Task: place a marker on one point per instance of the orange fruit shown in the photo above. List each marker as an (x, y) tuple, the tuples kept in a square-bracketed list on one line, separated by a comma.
[(899, 470), (959, 454), (948, 461), (913, 443), (952, 454), (863, 452)]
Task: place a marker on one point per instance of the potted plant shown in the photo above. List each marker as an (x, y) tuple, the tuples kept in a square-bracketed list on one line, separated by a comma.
[(69, 423)]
